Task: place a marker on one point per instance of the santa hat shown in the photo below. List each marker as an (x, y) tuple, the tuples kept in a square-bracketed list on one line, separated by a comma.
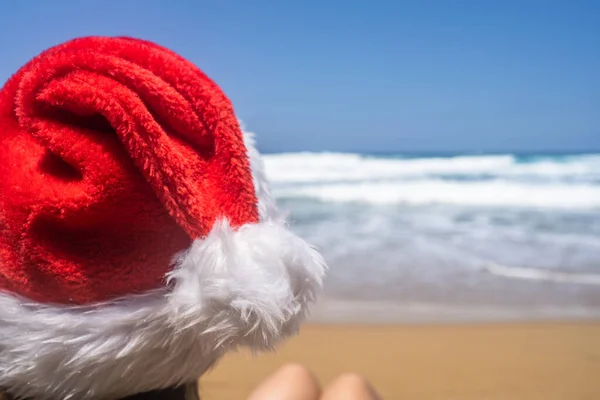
[(138, 238)]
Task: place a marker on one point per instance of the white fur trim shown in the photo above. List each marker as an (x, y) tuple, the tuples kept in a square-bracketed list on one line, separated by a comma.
[(267, 206), (249, 287)]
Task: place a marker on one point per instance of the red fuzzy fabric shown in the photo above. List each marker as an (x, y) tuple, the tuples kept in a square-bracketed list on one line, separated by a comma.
[(115, 154)]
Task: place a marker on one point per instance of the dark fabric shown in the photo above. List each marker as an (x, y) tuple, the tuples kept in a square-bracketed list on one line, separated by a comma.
[(189, 392), (167, 394)]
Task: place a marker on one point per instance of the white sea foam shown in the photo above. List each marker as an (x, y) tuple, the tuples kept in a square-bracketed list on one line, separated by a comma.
[(328, 167), (492, 180), (536, 274), (325, 167), (489, 193)]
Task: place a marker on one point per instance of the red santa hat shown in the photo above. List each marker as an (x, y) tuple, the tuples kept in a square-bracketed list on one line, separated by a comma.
[(138, 238)]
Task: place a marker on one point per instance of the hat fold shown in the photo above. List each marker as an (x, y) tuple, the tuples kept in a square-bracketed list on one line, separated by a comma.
[(174, 126)]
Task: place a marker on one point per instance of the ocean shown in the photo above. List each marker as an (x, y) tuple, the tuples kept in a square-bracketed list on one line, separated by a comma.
[(447, 237)]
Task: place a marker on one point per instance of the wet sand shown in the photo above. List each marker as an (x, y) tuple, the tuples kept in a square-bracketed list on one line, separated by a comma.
[(511, 361)]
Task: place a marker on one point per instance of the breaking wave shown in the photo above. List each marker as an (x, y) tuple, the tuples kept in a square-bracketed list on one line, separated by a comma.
[(490, 180)]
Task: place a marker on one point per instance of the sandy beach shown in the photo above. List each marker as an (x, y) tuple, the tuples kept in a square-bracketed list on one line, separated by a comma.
[(508, 361)]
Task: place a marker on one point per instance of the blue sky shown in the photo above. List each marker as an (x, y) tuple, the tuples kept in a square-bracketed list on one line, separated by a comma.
[(365, 75)]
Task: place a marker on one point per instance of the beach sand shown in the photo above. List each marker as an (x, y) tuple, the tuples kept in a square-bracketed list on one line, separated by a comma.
[(509, 361)]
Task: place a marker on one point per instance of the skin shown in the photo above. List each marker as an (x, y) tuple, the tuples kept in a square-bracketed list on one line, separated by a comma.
[(296, 382), (290, 382)]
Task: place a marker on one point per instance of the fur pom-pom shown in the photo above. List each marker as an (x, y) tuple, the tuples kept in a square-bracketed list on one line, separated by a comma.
[(249, 287)]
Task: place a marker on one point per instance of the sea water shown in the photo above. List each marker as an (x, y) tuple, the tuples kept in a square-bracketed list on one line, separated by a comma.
[(448, 236)]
